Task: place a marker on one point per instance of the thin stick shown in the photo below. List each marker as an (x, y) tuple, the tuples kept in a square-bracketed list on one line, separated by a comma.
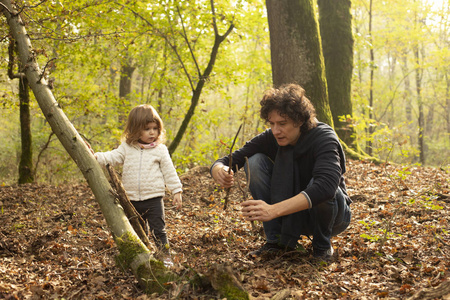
[(247, 189), (230, 157), (133, 216)]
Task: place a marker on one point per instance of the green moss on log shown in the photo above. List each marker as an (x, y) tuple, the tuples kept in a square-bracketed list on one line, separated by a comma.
[(151, 274), (227, 288), (129, 248), (155, 277)]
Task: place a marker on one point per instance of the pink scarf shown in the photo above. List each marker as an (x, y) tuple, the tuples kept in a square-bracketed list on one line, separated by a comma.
[(148, 146)]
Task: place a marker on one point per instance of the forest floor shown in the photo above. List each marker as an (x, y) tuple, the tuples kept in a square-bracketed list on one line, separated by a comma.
[(55, 244)]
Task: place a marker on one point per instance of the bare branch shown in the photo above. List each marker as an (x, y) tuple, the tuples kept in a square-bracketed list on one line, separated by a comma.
[(135, 218), (5, 7), (174, 47), (45, 67), (187, 42), (230, 165), (213, 11), (49, 140)]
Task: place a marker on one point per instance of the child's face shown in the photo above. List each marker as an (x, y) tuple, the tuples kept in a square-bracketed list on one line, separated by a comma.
[(150, 133)]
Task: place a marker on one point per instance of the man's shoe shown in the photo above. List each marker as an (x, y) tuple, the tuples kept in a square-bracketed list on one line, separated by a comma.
[(268, 248), (323, 255)]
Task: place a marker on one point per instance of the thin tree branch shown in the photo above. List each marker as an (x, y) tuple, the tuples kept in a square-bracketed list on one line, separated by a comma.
[(174, 47), (230, 158), (184, 35), (213, 11), (5, 7), (393, 96), (45, 67), (41, 152)]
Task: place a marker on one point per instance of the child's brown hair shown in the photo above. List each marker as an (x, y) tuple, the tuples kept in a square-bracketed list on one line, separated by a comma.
[(138, 119)]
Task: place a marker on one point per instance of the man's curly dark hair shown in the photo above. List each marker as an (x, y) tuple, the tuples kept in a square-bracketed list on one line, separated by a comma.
[(289, 101)]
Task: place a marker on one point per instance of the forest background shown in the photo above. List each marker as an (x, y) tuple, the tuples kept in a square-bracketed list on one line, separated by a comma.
[(104, 57), (204, 65)]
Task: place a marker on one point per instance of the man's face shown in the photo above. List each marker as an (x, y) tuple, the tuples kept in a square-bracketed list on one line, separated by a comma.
[(284, 129)]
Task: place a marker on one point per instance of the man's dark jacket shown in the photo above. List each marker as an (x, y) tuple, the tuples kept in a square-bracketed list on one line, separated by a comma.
[(317, 155)]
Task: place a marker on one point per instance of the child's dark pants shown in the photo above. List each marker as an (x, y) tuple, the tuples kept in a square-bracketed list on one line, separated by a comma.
[(152, 211)]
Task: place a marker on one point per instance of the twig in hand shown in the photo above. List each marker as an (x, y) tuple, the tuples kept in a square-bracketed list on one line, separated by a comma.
[(247, 189), (230, 157)]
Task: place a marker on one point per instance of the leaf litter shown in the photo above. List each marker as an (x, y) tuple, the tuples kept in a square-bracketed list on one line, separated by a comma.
[(55, 243)]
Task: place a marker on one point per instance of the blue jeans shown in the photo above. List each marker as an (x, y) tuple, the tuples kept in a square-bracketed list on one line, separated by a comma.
[(321, 221)]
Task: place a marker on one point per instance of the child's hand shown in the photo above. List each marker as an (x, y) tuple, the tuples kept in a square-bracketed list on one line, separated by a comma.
[(89, 147), (177, 200)]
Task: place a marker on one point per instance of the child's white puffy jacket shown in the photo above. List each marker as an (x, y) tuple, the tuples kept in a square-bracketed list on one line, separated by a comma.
[(146, 172)]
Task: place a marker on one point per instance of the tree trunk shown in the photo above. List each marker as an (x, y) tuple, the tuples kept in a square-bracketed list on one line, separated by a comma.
[(370, 130), (407, 97), (447, 104), (335, 22), (296, 51), (126, 75), (133, 254), (420, 106), (26, 157), (447, 97)]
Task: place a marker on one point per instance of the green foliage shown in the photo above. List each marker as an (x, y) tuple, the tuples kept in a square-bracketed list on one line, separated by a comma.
[(398, 28), (90, 42), (169, 42), (427, 202)]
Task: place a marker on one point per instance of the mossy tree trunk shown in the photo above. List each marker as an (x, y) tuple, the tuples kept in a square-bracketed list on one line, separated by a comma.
[(296, 51), (133, 253), (26, 154), (335, 23)]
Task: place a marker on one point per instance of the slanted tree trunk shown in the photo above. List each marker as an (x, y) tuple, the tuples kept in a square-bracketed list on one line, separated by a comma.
[(26, 155), (133, 254), (296, 51), (335, 22)]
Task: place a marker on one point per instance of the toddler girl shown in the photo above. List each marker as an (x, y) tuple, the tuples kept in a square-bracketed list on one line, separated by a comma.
[(147, 170)]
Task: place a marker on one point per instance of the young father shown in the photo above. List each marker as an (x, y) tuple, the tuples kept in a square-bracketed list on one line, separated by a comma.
[(296, 175)]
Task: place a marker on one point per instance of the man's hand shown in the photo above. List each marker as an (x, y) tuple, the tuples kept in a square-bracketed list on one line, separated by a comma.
[(257, 210), (221, 175)]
